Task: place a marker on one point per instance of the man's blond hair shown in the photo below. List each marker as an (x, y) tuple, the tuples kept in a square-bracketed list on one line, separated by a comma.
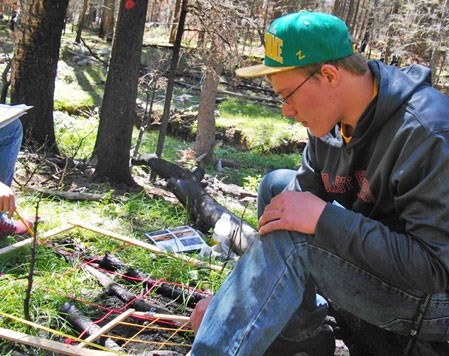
[(355, 63)]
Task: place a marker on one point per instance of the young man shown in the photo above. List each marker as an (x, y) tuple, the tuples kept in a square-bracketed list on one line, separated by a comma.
[(10, 141), (365, 219)]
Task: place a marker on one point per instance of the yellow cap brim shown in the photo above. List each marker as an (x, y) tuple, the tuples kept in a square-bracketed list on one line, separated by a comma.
[(259, 70)]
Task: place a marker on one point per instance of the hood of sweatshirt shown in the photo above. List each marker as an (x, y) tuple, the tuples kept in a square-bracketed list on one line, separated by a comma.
[(395, 87)]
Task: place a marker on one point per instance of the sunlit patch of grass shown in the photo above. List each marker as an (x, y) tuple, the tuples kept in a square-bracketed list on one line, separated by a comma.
[(237, 108), (75, 135), (172, 146), (78, 88), (254, 166), (263, 128)]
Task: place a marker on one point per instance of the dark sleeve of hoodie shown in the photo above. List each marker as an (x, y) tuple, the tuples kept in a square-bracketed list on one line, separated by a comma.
[(418, 258)]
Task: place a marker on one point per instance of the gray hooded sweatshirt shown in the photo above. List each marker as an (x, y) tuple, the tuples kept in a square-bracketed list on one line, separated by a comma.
[(392, 180)]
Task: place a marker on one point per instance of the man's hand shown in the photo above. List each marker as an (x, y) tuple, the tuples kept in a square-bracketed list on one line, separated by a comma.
[(292, 211), (197, 315), (7, 200)]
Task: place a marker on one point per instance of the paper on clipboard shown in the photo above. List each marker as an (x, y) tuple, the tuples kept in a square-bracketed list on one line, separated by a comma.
[(9, 113)]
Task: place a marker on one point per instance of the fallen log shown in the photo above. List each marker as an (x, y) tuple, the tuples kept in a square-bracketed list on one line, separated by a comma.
[(131, 300), (201, 206), (72, 196), (86, 326), (175, 292)]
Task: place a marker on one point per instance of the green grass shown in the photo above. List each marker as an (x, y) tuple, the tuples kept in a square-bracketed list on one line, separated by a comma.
[(76, 135), (78, 89), (262, 127)]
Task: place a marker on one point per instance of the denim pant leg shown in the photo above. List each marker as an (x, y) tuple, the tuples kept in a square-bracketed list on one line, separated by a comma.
[(255, 302), (262, 293), (368, 297), (10, 141), (309, 316)]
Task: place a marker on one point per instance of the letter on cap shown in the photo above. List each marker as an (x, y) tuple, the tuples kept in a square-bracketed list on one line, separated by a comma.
[(273, 47)]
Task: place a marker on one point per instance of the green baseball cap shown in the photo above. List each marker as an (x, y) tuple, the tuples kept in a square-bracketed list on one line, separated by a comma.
[(300, 39)]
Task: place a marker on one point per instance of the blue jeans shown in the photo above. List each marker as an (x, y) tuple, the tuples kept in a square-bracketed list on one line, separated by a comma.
[(266, 293), (10, 141)]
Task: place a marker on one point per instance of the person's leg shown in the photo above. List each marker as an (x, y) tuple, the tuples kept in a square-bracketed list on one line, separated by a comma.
[(262, 293), (305, 330), (256, 300), (273, 184), (368, 297), (10, 141), (267, 287)]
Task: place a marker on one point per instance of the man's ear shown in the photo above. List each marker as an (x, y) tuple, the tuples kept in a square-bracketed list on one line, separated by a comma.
[(331, 73)]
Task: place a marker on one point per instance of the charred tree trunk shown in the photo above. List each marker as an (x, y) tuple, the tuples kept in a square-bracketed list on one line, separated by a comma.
[(118, 111), (392, 28), (369, 26), (171, 79), (201, 206), (131, 300), (111, 263), (84, 325), (36, 56)]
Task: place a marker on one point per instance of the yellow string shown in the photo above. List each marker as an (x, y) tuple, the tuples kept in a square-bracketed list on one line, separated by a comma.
[(31, 232)]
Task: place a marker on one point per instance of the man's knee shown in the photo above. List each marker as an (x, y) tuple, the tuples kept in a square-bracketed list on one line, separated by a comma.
[(274, 183)]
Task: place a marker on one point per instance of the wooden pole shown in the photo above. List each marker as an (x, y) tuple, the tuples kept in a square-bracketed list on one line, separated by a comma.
[(46, 235), (106, 328), (50, 345), (146, 246), (169, 317)]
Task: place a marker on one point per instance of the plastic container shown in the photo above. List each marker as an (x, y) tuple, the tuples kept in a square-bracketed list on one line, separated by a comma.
[(222, 233)]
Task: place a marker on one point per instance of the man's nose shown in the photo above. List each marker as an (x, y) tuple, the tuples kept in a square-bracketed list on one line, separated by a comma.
[(288, 110)]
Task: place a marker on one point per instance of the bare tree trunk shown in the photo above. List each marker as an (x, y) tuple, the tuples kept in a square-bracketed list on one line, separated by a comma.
[(107, 20), (356, 19), (174, 26), (205, 137), (81, 20), (437, 53), (391, 30), (350, 15), (339, 8), (363, 23), (36, 56), (171, 79), (118, 110)]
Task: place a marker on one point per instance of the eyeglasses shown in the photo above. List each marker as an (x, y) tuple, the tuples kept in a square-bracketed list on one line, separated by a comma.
[(284, 100)]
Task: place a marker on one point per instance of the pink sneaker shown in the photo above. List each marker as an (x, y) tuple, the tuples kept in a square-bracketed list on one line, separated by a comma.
[(9, 226)]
